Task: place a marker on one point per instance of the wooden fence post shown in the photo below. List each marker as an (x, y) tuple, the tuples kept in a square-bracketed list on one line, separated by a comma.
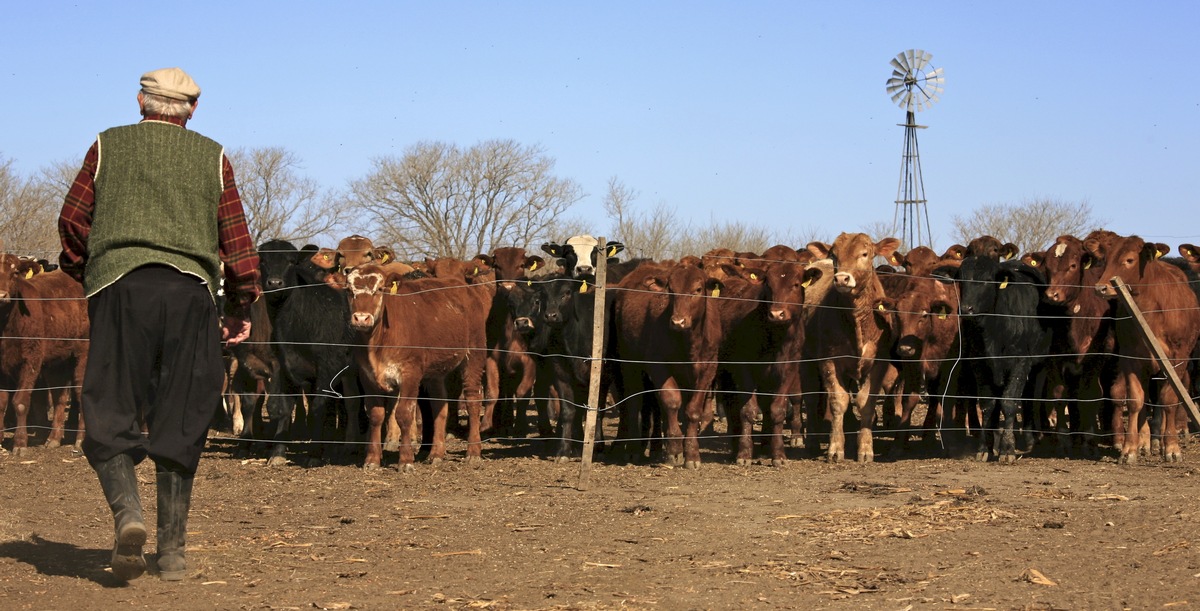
[(593, 404)]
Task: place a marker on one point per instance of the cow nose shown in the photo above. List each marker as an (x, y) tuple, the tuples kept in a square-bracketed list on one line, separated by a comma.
[(523, 324), (906, 350), (584, 270), (681, 322), (362, 319), (4, 296), (844, 280), (1053, 295), (274, 284), (777, 315)]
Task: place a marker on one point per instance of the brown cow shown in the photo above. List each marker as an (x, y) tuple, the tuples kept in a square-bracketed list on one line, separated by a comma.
[(44, 337), (764, 349), (1172, 313), (416, 334), (992, 248), (1084, 344), (667, 329), (925, 326), (509, 361), (853, 336)]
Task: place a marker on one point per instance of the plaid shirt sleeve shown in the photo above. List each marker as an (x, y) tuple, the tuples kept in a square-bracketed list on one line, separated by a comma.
[(75, 220), (237, 248)]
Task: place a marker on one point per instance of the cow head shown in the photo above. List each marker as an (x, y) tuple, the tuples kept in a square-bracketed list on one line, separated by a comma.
[(1126, 258), (992, 248), (925, 317), (511, 264), (367, 285), (689, 287), (578, 256), (853, 256), (14, 271), (354, 251), (786, 283), (1067, 266), (526, 302), (275, 257)]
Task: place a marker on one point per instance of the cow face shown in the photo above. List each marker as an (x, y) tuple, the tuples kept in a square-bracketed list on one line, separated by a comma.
[(1067, 267), (786, 283), (689, 287), (354, 251), (925, 317), (512, 265), (274, 259), (367, 285), (853, 256), (992, 248), (557, 295), (13, 271), (578, 256), (1126, 259), (526, 302)]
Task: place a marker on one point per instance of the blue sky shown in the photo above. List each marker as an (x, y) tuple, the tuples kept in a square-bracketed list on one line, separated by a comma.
[(771, 113)]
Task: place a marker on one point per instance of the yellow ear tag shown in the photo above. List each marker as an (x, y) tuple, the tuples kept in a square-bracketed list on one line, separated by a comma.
[(1004, 284), (583, 287), (716, 293), (28, 274), (476, 272), (881, 308), (806, 283), (754, 276), (1033, 262), (942, 315), (534, 266), (385, 258), (395, 287), (1088, 265), (529, 283)]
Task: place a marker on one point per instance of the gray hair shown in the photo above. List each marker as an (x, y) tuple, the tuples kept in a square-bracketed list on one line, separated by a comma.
[(168, 107)]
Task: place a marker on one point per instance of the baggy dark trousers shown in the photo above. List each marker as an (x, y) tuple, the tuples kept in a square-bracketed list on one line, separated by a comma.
[(155, 350)]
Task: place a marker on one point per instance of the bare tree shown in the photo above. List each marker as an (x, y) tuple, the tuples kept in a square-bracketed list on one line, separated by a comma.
[(440, 200), (645, 234), (29, 208), (281, 203), (1032, 225)]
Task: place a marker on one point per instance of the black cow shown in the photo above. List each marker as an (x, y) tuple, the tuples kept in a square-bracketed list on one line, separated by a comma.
[(1004, 335), (312, 339)]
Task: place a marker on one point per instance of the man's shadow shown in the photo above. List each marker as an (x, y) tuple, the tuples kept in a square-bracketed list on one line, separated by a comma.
[(63, 560)]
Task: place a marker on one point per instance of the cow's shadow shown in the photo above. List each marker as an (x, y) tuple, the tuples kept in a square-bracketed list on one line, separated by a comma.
[(57, 559)]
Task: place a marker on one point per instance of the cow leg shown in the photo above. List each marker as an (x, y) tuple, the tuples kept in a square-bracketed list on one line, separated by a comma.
[(741, 426), (839, 402), (632, 431), (1175, 423), (61, 399), (473, 394), (775, 417), (376, 414), (697, 405), (670, 400), (1128, 398)]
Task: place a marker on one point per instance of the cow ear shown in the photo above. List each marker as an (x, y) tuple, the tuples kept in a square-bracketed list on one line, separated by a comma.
[(533, 262), (896, 259), (612, 248), (1190, 252), (1161, 250), (486, 259), (811, 275), (325, 258), (655, 284), (552, 249), (392, 282), (1033, 259), (945, 274), (1150, 251), (1009, 251), (957, 251), (714, 287), (1087, 260), (819, 249), (887, 246)]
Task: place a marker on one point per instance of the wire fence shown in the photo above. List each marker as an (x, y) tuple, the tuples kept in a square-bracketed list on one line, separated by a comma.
[(886, 399)]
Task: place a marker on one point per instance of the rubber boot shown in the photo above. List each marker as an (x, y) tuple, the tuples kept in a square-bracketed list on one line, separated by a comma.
[(119, 482), (174, 502)]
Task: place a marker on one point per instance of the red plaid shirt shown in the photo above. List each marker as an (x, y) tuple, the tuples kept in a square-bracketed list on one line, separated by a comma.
[(237, 250)]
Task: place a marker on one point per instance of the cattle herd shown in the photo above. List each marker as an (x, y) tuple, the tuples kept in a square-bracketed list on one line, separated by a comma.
[(350, 347)]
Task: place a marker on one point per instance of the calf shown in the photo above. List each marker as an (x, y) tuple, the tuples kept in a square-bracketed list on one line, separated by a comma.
[(1172, 313), (311, 336), (852, 336), (414, 335), (1004, 336), (44, 337), (1083, 343)]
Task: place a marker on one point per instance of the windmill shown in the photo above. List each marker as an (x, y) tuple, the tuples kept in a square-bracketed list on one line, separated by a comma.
[(914, 86)]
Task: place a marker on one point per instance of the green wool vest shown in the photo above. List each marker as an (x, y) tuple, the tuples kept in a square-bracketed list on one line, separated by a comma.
[(158, 187)]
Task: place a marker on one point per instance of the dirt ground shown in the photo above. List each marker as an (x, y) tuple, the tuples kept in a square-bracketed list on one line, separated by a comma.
[(516, 533)]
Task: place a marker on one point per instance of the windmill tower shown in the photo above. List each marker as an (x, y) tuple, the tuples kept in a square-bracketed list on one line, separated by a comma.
[(914, 86)]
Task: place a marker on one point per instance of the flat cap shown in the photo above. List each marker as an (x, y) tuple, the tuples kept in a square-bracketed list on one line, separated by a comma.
[(170, 83)]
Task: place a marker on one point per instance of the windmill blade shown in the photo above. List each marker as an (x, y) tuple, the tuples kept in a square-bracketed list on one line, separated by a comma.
[(935, 73), (897, 63), (911, 56), (901, 97), (896, 74), (923, 58), (891, 89)]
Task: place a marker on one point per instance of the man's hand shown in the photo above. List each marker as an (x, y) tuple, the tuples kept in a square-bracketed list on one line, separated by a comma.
[(234, 330)]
